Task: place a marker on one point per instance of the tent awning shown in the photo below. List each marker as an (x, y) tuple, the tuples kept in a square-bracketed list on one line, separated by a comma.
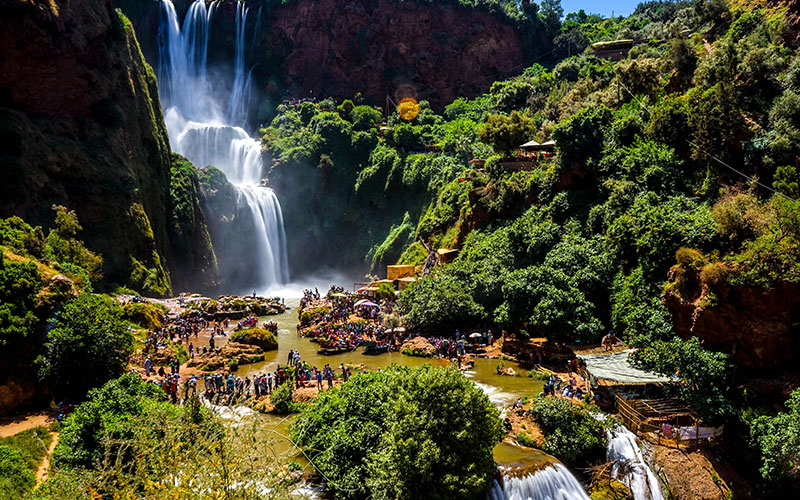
[(615, 367)]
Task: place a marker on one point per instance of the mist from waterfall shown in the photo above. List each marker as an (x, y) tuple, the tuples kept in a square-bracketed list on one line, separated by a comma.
[(207, 132)]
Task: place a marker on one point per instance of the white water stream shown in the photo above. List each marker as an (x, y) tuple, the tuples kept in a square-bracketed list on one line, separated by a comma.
[(200, 130), (631, 468), (554, 482)]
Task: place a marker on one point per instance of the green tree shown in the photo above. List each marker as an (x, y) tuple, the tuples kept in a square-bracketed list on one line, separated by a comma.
[(572, 434), (778, 439), (787, 181), (89, 344), (703, 376), (402, 433), (581, 136), (507, 133), (19, 283), (438, 302), (62, 246), (109, 411)]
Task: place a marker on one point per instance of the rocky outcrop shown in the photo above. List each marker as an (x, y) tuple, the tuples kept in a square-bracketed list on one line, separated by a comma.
[(759, 328), (341, 47), (81, 124)]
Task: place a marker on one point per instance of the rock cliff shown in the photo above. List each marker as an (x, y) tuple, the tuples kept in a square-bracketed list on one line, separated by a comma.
[(341, 47), (337, 48), (759, 328), (81, 122)]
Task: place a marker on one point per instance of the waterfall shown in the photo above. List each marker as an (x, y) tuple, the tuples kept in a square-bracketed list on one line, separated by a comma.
[(553, 482), (200, 130), (631, 469), (239, 99)]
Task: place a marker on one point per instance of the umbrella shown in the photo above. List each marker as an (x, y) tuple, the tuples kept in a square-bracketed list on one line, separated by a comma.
[(360, 302), (475, 335), (370, 304), (338, 295)]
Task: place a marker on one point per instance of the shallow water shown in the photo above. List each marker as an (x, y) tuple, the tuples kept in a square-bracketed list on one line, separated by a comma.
[(501, 389)]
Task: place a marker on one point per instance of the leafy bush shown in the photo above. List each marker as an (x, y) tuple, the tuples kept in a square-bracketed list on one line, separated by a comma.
[(704, 380), (282, 401), (526, 440), (89, 344), (401, 433), (147, 316), (778, 439), (438, 302), (16, 475), (19, 284), (572, 434), (256, 336), (507, 133), (109, 411)]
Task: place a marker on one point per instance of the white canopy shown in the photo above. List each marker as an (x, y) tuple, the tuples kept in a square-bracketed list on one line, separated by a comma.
[(615, 367)]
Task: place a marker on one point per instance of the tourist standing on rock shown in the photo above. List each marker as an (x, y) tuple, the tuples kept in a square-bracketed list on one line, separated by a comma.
[(191, 350), (148, 366)]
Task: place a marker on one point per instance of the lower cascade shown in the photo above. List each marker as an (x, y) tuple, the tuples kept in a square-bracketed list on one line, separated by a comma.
[(631, 469), (554, 482)]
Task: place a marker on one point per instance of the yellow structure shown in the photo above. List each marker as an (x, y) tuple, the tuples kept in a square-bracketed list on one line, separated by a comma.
[(396, 272)]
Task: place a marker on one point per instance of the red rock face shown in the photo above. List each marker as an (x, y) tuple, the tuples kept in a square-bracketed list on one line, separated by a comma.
[(81, 113), (340, 47), (759, 328)]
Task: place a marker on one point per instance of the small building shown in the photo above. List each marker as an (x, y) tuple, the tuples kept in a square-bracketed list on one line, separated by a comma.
[(610, 375), (399, 271), (535, 147)]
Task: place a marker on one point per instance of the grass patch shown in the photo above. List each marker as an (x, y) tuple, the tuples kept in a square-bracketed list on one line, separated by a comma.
[(32, 443)]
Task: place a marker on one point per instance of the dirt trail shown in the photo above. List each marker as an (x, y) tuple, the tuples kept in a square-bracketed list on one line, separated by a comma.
[(17, 424), (44, 467)]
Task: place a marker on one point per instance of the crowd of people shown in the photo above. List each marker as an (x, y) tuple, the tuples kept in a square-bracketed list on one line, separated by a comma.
[(568, 389)]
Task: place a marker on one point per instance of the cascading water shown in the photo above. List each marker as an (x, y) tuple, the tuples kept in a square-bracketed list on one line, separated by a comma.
[(631, 468), (200, 130), (553, 482)]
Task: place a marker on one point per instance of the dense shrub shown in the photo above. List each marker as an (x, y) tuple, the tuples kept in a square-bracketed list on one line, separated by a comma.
[(19, 283), (109, 412), (256, 336), (778, 439), (16, 475), (88, 344), (572, 434), (282, 401), (401, 433)]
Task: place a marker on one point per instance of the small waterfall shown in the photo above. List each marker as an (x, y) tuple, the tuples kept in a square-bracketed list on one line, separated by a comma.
[(239, 99), (632, 469), (200, 130), (553, 482)]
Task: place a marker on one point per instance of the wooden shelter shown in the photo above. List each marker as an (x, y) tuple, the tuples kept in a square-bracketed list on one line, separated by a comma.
[(399, 271), (534, 147)]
